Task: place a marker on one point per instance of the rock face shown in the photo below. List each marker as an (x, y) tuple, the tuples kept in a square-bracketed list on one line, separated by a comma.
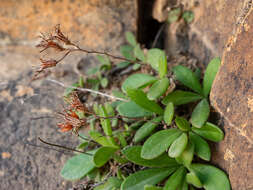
[(24, 166), (232, 97), (93, 24), (215, 21)]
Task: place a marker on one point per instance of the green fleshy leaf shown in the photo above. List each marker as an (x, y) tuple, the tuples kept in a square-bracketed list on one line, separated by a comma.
[(188, 16), (139, 53), (162, 66), (183, 186), (106, 124), (178, 146), (153, 57), (110, 111), (174, 15), (127, 52), (104, 60), (119, 94), (187, 77), (197, 73), (82, 145), (133, 154), (136, 125), (100, 139), (96, 108), (92, 71), (158, 88), (186, 157), (191, 178), (146, 129), (136, 66), (158, 143), (94, 175), (122, 65), (130, 38), (140, 98), (169, 113), (175, 179), (119, 159), (122, 140), (210, 74), (102, 155), (151, 187), (112, 183), (200, 114), (139, 179), (210, 132), (131, 109), (81, 82), (180, 97), (137, 81), (115, 104), (104, 82), (211, 177), (77, 167), (182, 124), (201, 147)]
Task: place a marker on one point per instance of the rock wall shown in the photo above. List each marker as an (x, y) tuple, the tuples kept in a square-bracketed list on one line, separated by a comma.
[(232, 97), (215, 21), (93, 24), (27, 110), (224, 28)]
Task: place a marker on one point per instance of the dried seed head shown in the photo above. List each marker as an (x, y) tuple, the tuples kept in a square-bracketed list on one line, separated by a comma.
[(47, 63), (64, 127), (60, 36), (49, 43), (71, 120)]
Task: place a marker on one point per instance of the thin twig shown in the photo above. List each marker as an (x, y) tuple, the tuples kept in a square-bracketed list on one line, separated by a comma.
[(41, 117), (64, 147), (38, 146), (104, 53), (157, 35), (87, 90)]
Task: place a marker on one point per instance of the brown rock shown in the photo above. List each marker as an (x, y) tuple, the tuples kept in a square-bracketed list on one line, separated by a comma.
[(95, 24), (232, 97), (214, 22)]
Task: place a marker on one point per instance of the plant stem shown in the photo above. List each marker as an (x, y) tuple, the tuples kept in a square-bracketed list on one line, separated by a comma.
[(64, 147), (87, 90)]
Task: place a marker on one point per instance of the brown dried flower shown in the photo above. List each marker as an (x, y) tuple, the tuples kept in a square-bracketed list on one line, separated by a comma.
[(71, 121), (60, 36), (69, 115), (76, 104)]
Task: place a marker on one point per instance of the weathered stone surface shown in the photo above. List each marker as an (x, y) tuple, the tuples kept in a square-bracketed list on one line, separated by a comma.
[(232, 97), (215, 21), (24, 166), (95, 24)]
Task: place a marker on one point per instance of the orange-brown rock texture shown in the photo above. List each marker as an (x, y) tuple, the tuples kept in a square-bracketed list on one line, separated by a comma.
[(232, 97), (93, 23), (215, 21)]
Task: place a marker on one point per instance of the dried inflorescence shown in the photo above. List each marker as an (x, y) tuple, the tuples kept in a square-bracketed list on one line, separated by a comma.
[(59, 42), (54, 40), (71, 120)]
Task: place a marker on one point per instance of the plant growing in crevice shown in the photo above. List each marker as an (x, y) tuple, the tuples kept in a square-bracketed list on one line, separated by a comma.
[(140, 139)]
